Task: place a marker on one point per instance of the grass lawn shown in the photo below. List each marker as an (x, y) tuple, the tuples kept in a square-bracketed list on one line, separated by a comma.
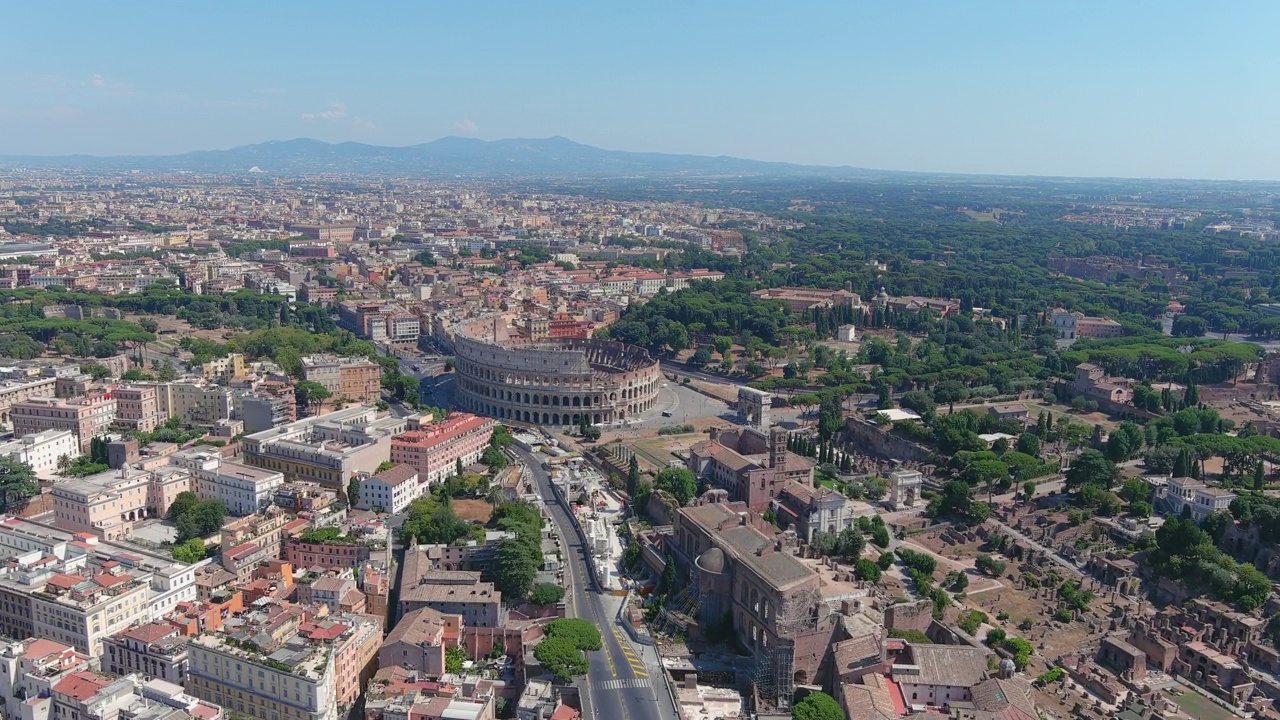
[(1201, 707)]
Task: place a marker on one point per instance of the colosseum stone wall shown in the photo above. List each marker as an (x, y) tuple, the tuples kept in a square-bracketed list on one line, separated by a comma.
[(551, 382)]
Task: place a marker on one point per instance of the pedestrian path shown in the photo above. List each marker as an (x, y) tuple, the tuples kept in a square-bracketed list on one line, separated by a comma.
[(622, 684)]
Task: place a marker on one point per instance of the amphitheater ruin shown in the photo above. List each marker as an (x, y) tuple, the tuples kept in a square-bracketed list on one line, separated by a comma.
[(552, 382)]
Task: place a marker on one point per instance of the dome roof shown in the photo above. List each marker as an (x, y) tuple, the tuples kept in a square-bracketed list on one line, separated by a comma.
[(712, 560), (1007, 667)]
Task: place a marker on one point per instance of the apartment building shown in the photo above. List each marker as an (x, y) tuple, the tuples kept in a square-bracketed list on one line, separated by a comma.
[(137, 408), (42, 450), (265, 409), (434, 450), (224, 368), (87, 417), (267, 530), (391, 490), (78, 590), (155, 649), (281, 663), (341, 552), (194, 403), (355, 378), (326, 449), (337, 591), (30, 668)]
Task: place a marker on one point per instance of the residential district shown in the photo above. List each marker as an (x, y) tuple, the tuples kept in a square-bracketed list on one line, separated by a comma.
[(314, 450)]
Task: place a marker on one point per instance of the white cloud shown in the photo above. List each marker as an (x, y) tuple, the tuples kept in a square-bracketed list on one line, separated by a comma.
[(466, 126), (335, 113), (104, 85), (362, 124)]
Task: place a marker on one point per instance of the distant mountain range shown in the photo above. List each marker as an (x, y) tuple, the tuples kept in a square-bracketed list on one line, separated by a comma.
[(446, 157)]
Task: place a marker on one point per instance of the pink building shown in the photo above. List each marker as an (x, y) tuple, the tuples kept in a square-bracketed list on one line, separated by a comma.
[(87, 417), (137, 408), (435, 449)]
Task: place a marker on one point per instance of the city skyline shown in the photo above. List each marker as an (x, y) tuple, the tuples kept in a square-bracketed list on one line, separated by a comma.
[(1143, 90)]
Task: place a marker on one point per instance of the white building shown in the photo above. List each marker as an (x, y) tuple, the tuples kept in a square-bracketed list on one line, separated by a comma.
[(41, 450), (1200, 499), (391, 490), (245, 489)]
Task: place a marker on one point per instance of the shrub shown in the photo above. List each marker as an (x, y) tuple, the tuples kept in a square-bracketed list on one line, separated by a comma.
[(989, 565), (1051, 675), (971, 620)]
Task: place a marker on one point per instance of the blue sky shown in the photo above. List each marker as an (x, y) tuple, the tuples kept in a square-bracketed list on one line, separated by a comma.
[(1096, 88)]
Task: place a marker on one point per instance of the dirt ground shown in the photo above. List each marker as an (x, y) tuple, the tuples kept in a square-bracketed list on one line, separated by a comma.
[(472, 510)]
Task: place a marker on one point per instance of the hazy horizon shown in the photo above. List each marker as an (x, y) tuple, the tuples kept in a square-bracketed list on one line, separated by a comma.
[(1138, 90)]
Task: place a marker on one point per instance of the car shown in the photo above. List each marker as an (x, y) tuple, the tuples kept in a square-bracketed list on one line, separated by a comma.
[(666, 413)]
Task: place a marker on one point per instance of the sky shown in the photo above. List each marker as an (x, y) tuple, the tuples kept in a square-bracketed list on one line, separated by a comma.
[(1137, 88)]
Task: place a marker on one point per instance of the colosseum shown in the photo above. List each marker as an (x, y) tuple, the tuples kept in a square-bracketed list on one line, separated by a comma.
[(550, 382)]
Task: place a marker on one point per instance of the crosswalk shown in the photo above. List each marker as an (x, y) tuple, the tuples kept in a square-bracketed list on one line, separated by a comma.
[(623, 684)]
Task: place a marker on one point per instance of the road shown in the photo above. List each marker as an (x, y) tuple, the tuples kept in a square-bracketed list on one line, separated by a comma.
[(618, 685)]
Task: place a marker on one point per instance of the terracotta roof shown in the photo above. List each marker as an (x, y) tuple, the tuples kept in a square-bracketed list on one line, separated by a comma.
[(65, 581), (398, 474), (952, 665), (82, 685), (44, 647), (417, 627), (1010, 699), (150, 632)]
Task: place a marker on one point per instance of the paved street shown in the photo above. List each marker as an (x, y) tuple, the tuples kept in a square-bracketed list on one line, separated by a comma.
[(618, 685)]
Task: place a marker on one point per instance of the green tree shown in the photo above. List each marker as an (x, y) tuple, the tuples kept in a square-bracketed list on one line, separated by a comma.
[(1029, 489), (817, 706), (516, 565), (1134, 490), (353, 491), (96, 371), (454, 657), (867, 570), (583, 634), (189, 552), (679, 482), (1091, 468), (988, 565), (182, 504), (633, 476), (546, 594), (723, 345), (562, 658), (493, 458), (950, 392)]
